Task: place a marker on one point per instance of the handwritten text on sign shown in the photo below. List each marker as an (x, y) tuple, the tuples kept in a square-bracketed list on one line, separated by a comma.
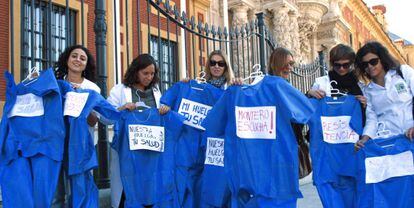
[(27, 105), (384, 167), (74, 103), (215, 152), (144, 137), (336, 130), (256, 122), (193, 112)]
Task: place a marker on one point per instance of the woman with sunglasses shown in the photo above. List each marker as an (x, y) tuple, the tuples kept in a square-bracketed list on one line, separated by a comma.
[(389, 93), (341, 59)]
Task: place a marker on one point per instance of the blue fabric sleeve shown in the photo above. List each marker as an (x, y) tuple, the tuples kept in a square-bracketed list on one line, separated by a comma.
[(295, 103), (170, 96), (216, 120), (104, 108), (174, 123), (356, 117)]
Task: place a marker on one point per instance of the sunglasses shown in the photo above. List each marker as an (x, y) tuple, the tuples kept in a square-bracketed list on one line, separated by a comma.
[(372, 62), (289, 64), (219, 63), (345, 65)]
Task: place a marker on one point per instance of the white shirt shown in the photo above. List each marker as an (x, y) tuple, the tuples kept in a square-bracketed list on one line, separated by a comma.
[(322, 83), (391, 105), (88, 85)]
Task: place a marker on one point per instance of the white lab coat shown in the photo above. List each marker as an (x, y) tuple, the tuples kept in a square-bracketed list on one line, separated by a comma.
[(119, 95), (391, 105)]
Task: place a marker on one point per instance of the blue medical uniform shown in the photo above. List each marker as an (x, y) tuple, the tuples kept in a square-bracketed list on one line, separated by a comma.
[(396, 191), (262, 171), (31, 145), (189, 155), (148, 176), (335, 184), (81, 152)]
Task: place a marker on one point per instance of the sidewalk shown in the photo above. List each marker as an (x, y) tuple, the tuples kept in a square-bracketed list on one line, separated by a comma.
[(310, 195)]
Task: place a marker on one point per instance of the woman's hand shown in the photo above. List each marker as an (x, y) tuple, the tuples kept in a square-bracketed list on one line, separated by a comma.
[(362, 100), (318, 94), (129, 106), (92, 119), (360, 143), (410, 133), (236, 81), (164, 109), (185, 80)]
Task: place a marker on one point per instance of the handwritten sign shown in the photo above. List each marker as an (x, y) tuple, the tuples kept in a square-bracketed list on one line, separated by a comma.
[(193, 112), (336, 130), (256, 122), (74, 103), (144, 137), (215, 152), (27, 105), (384, 167)]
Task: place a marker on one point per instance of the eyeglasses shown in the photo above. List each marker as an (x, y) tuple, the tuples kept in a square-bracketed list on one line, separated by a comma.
[(372, 62), (219, 63), (345, 65)]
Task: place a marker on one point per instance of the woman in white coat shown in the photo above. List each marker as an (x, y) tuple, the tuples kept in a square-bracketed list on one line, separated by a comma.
[(140, 84), (389, 93)]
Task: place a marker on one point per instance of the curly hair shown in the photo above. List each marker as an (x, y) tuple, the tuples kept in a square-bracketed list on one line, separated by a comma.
[(61, 66), (374, 47), (139, 63), (228, 72)]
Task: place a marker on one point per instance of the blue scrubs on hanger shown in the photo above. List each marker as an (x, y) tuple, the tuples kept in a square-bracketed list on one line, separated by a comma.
[(385, 173), (148, 174), (81, 152), (260, 160), (334, 128), (192, 100), (31, 141)]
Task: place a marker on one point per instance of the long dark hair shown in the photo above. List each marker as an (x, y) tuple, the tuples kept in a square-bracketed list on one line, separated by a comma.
[(61, 67), (387, 61), (139, 63)]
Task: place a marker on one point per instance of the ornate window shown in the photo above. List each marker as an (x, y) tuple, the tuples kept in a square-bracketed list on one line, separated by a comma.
[(168, 66), (44, 36)]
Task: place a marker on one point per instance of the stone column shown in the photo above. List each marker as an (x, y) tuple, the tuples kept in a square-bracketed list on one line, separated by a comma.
[(239, 19)]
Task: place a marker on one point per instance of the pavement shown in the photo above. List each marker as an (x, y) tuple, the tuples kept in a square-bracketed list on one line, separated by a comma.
[(310, 194)]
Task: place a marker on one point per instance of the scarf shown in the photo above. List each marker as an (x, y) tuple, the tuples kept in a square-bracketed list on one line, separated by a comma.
[(219, 83), (347, 83)]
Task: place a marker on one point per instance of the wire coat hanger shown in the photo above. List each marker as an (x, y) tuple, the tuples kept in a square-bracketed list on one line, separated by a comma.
[(200, 80), (256, 75), (335, 91), (140, 103), (34, 73)]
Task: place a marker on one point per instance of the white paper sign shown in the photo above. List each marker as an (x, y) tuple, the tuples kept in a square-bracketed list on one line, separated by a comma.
[(215, 152), (27, 105), (193, 112), (384, 167), (74, 103), (256, 122), (144, 137), (336, 130)]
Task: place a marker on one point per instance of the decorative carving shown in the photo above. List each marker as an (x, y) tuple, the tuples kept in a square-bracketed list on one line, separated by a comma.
[(100, 27)]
